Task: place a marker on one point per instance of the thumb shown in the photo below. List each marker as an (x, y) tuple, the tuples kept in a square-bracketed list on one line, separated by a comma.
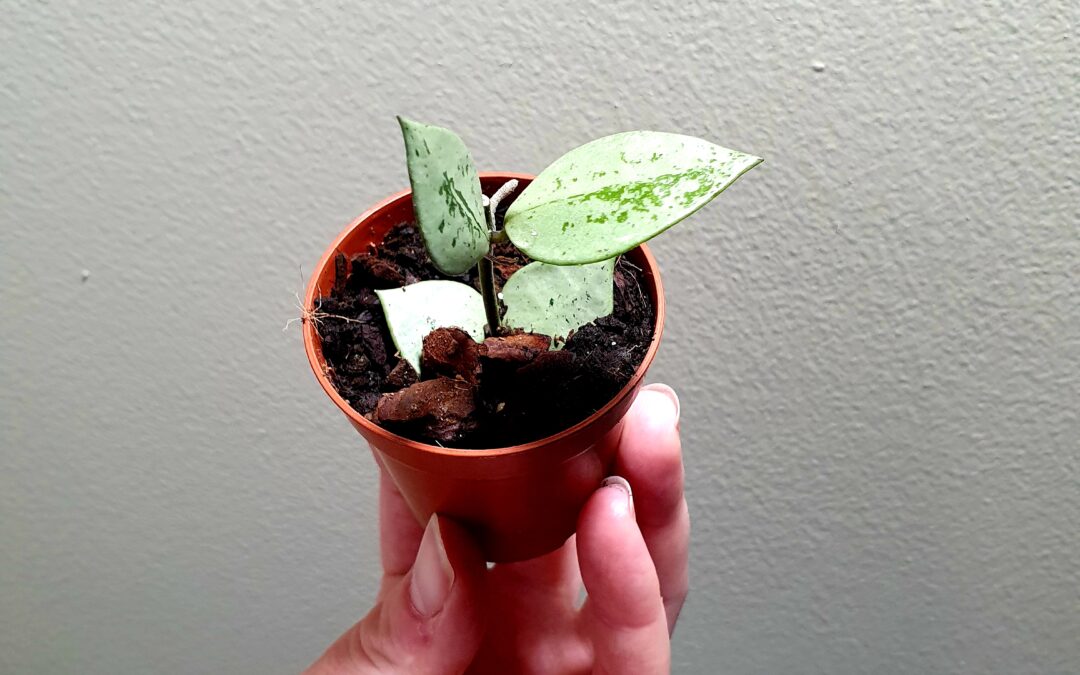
[(429, 621)]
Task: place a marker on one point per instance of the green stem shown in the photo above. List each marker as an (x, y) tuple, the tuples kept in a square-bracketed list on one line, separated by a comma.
[(486, 272), (484, 268)]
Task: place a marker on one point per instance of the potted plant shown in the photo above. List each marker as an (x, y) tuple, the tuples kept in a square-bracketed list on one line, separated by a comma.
[(485, 346)]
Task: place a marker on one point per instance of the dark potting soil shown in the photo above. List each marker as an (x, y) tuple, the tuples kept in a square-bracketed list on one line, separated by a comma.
[(504, 391)]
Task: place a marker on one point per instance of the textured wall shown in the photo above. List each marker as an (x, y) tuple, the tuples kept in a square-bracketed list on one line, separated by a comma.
[(876, 334)]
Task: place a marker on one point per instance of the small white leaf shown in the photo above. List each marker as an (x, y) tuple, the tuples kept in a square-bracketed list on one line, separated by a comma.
[(415, 310)]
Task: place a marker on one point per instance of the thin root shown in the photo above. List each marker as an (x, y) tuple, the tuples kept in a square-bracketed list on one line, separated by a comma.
[(315, 316)]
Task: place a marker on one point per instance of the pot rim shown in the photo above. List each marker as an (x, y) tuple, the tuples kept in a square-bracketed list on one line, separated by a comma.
[(313, 347)]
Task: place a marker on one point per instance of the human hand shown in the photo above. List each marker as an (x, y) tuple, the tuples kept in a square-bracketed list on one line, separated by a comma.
[(441, 610)]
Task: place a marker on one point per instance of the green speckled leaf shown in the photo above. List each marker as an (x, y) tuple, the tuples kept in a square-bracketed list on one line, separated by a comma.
[(556, 299), (446, 196), (606, 197), (417, 309)]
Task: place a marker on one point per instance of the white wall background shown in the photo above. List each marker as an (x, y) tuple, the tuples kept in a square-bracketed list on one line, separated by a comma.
[(876, 334)]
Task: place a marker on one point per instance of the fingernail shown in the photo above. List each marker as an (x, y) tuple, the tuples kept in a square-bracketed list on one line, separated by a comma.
[(620, 483), (669, 393), (432, 575)]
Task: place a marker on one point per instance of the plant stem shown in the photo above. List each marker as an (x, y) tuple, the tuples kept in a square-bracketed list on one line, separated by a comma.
[(486, 272), (484, 268)]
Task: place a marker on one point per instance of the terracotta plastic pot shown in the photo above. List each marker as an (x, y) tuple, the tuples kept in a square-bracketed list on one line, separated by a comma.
[(521, 501)]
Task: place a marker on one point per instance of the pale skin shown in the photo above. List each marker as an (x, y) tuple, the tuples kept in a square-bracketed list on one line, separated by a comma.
[(440, 610)]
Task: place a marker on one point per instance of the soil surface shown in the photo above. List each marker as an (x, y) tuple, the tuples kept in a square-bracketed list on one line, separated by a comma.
[(507, 390)]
